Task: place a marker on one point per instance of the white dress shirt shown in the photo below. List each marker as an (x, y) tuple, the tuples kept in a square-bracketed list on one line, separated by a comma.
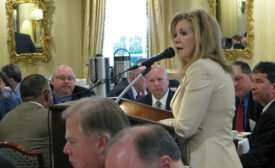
[(162, 100)]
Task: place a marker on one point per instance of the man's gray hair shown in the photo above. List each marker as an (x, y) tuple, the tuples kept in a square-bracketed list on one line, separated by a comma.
[(151, 144), (98, 116), (33, 86)]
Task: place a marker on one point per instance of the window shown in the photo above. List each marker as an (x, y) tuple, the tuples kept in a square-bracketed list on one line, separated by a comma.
[(125, 27)]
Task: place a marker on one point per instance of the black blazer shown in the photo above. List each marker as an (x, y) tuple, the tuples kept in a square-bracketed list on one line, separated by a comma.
[(23, 43), (115, 92), (78, 93), (262, 142), (254, 110), (149, 100)]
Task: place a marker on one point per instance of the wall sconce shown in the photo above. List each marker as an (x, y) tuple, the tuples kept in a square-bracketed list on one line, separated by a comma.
[(37, 14), (37, 17)]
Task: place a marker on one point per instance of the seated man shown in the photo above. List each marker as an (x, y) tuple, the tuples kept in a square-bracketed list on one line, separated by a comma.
[(160, 95), (64, 88), (15, 76), (90, 124), (247, 110), (137, 90), (143, 146), (236, 42), (27, 124), (262, 139)]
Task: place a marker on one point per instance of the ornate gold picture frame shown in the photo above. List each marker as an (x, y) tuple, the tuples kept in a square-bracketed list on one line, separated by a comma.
[(42, 52), (233, 54)]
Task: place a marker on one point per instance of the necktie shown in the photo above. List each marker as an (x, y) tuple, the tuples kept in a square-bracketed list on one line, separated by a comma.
[(239, 117), (158, 104), (142, 93)]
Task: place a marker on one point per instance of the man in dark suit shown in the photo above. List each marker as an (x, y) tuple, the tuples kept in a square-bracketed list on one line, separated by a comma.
[(137, 90), (160, 95), (64, 87), (23, 43), (262, 140), (247, 110)]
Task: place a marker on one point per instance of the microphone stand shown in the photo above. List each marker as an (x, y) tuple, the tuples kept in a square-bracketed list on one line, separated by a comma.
[(143, 73)]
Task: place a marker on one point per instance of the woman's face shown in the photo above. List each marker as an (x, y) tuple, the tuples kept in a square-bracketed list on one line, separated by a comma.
[(2, 84), (184, 40)]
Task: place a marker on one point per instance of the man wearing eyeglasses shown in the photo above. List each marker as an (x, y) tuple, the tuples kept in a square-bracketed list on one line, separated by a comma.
[(64, 87)]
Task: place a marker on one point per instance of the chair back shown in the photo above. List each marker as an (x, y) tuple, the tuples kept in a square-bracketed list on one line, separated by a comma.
[(22, 157)]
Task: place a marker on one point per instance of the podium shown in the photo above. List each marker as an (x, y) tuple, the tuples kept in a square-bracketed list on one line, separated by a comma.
[(136, 112)]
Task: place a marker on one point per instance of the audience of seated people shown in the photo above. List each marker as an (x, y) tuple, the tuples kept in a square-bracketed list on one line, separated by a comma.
[(8, 99), (90, 124), (64, 87), (247, 110), (148, 146), (15, 76), (137, 90), (160, 95), (28, 124), (262, 139)]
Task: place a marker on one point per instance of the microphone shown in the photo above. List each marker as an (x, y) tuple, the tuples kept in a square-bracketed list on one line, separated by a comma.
[(167, 53)]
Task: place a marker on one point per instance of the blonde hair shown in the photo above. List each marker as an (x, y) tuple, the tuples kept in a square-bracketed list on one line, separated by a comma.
[(207, 37)]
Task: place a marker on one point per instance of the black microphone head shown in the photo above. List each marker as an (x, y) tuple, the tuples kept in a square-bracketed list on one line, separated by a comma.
[(169, 52)]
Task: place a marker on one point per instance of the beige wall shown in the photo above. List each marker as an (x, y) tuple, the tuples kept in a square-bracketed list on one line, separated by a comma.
[(65, 35)]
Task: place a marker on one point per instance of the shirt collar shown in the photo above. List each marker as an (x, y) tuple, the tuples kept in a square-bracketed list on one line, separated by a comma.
[(162, 100), (33, 102), (245, 100), (58, 100)]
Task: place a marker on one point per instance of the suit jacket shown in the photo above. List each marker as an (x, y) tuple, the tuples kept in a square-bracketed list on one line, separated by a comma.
[(78, 93), (203, 108), (149, 100), (23, 43), (254, 110), (262, 142), (27, 125), (115, 92)]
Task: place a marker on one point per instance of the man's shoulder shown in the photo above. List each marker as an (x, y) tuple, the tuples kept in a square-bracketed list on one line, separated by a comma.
[(147, 99), (118, 88), (271, 110), (171, 92), (82, 91)]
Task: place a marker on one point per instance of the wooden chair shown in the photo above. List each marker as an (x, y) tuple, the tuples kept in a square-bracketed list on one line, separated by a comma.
[(22, 157)]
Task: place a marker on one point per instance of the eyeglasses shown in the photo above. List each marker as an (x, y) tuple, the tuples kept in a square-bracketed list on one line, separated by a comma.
[(63, 78)]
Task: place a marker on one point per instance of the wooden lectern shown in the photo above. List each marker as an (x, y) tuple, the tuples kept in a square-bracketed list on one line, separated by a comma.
[(136, 112)]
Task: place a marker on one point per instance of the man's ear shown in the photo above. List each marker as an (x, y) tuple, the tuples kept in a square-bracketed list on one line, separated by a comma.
[(165, 162), (102, 145)]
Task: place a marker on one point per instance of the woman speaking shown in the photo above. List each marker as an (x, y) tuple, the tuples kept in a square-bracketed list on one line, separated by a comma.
[(204, 104)]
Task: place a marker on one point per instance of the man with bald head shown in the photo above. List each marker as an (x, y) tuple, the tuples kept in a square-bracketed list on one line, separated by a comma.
[(158, 83), (148, 146), (64, 87)]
